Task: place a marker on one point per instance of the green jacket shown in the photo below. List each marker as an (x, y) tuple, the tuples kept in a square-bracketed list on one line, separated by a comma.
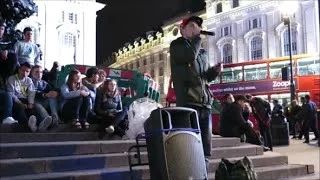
[(191, 73)]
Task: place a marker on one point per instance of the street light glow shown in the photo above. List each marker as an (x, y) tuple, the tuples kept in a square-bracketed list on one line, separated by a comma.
[(287, 8)]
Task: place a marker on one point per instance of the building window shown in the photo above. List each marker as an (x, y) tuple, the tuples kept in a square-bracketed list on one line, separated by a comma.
[(73, 18), (227, 53), (219, 8), (256, 48), (69, 40), (138, 64), (131, 66), (62, 16), (152, 59), (225, 31), (152, 73), (235, 3), (144, 62), (161, 71), (254, 23), (286, 45), (160, 56)]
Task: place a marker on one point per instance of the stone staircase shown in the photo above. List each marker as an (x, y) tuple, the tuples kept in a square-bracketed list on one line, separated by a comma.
[(82, 156)]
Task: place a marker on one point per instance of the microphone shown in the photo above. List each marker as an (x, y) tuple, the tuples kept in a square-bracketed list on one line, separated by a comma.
[(208, 33)]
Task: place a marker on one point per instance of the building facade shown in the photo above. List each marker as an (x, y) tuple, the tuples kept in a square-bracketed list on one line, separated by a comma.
[(65, 31), (245, 31), (254, 30)]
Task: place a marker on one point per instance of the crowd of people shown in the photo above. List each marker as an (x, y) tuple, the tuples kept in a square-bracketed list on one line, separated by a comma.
[(28, 95), (234, 119)]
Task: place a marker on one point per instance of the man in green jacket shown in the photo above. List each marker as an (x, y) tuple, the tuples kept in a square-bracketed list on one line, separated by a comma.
[(191, 74)]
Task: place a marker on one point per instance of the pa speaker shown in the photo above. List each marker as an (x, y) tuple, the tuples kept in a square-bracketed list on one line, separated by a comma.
[(175, 151), (285, 73)]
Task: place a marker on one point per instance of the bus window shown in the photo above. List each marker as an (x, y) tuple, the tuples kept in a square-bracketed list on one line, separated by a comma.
[(309, 66), (275, 69), (301, 94), (255, 72), (232, 74), (284, 99)]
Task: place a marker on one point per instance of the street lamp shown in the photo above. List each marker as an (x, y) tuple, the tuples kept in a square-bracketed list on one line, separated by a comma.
[(287, 9)]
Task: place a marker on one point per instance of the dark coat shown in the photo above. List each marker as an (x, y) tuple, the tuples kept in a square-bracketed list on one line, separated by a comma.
[(232, 120), (105, 104), (191, 73), (261, 110)]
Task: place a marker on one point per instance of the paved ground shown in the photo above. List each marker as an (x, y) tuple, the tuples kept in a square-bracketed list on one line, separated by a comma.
[(301, 153)]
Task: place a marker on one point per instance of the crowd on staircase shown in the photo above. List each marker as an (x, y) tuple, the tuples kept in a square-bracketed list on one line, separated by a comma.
[(28, 95)]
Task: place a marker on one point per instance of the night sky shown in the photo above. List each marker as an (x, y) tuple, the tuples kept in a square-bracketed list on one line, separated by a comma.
[(122, 21)]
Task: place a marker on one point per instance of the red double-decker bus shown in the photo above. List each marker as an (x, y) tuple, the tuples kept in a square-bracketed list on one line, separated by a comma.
[(263, 78)]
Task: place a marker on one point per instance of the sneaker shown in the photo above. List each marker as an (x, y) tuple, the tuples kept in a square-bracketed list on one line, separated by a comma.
[(77, 124), (43, 126), (32, 123), (109, 129), (86, 125), (55, 120), (9, 120)]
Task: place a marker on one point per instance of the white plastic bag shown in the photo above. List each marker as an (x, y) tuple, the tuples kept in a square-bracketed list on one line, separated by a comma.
[(139, 112)]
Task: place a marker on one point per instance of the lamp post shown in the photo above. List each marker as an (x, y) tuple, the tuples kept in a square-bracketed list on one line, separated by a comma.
[(287, 8), (286, 21)]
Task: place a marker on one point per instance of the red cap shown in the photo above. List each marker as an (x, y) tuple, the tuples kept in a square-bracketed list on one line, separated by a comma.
[(195, 19)]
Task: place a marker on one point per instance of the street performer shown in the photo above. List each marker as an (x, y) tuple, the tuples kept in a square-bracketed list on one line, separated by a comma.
[(191, 74)]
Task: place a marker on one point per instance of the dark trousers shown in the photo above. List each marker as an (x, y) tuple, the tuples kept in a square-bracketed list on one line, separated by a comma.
[(294, 129), (266, 134), (21, 114), (205, 123), (8, 66), (76, 109), (6, 104), (251, 136), (115, 121), (307, 125)]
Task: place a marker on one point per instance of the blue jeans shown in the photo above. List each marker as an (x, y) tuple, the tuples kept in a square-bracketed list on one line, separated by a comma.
[(50, 103), (6, 102), (92, 98), (40, 112)]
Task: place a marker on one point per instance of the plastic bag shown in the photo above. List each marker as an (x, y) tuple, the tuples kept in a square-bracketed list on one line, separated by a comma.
[(139, 112), (240, 170)]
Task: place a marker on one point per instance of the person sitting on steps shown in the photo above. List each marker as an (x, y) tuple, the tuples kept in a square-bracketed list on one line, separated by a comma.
[(75, 100), (21, 87), (109, 108), (45, 95)]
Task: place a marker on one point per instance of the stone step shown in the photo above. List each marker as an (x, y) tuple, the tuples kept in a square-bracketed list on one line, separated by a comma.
[(279, 171), (142, 172), (50, 149), (17, 128), (315, 176), (81, 136), (48, 137), (14, 167)]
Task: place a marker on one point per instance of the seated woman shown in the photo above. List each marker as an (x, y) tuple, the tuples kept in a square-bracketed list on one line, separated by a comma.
[(75, 100), (109, 107)]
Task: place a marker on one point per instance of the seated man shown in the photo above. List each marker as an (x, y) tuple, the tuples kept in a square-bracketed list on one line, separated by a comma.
[(21, 87), (45, 95), (92, 83), (232, 123), (6, 105), (26, 50)]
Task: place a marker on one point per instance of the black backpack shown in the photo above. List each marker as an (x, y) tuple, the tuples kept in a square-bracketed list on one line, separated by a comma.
[(240, 170)]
